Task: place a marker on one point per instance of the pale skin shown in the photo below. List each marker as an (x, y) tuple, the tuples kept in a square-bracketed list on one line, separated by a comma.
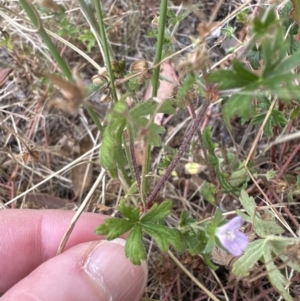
[(90, 268)]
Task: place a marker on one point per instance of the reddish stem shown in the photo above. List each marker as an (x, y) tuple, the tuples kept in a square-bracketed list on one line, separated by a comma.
[(199, 118)]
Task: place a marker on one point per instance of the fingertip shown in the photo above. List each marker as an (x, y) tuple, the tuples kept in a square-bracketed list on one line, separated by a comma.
[(90, 271), (108, 266)]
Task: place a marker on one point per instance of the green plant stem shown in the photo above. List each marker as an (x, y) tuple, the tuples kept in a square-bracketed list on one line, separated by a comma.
[(126, 178), (36, 21), (95, 119), (159, 46), (155, 84), (128, 156), (133, 163), (106, 48)]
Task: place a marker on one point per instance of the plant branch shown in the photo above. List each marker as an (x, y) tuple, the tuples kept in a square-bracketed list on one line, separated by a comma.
[(107, 53), (199, 118), (36, 21), (155, 84)]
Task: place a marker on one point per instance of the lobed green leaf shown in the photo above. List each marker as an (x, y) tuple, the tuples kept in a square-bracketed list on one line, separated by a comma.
[(134, 248), (114, 227), (164, 236), (132, 213), (157, 213)]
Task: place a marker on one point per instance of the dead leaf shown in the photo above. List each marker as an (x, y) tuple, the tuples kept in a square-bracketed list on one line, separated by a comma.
[(30, 154), (50, 4), (41, 200), (167, 70), (73, 93), (82, 174), (4, 75)]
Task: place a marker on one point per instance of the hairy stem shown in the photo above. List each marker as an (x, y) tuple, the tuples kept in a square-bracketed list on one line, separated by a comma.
[(199, 118)]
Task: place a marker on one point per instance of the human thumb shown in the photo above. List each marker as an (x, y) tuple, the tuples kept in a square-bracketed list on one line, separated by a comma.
[(90, 271)]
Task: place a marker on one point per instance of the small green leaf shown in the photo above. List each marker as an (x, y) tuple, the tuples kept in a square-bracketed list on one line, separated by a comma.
[(114, 227), (88, 39), (243, 72), (130, 212), (153, 134), (167, 106), (222, 177), (240, 104), (185, 219), (217, 219), (253, 253), (143, 109), (248, 203), (134, 248), (266, 228), (208, 191), (290, 63), (254, 57), (227, 79), (207, 141), (262, 23), (164, 236), (157, 212), (107, 151), (275, 276), (239, 176), (186, 86)]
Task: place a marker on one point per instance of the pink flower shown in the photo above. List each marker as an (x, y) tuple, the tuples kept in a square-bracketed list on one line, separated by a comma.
[(234, 241)]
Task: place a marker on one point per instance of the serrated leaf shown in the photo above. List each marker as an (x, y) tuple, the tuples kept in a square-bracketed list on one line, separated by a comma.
[(143, 109), (222, 178), (167, 106), (227, 79), (253, 253), (134, 248), (282, 247), (157, 212), (266, 228), (208, 191), (275, 276), (114, 227), (240, 105), (164, 236), (111, 152), (186, 86), (262, 228), (130, 212), (254, 57), (290, 63), (278, 118), (239, 176), (193, 242), (185, 219), (153, 134), (107, 151), (207, 141), (243, 72), (248, 203), (264, 250), (262, 24)]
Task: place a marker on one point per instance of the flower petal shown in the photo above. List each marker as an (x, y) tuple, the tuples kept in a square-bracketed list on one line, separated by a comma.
[(234, 241)]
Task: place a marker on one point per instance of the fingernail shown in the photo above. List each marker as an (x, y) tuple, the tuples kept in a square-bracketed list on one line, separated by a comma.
[(108, 266)]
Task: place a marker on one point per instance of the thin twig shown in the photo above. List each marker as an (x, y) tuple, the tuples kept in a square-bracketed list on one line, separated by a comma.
[(78, 213)]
